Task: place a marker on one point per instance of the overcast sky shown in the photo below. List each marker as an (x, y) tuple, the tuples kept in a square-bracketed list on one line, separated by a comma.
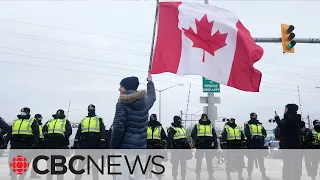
[(53, 52)]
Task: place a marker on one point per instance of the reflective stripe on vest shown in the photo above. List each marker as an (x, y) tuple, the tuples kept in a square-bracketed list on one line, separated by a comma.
[(57, 126), (316, 136), (204, 130), (22, 126), (180, 133), (233, 134), (255, 130), (156, 134), (90, 124)]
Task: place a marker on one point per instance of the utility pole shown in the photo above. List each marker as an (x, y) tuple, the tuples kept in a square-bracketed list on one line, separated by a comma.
[(68, 109), (300, 101)]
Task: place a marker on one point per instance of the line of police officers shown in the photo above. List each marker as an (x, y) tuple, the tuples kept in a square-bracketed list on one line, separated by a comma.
[(27, 133)]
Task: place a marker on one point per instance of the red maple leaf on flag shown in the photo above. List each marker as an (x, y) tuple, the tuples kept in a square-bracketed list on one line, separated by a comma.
[(203, 38)]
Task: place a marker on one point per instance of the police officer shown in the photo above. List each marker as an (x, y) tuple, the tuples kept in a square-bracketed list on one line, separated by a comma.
[(313, 137), (204, 136), (56, 135), (256, 135), (307, 146), (177, 139), (156, 139), (38, 118), (91, 134), (23, 134), (4, 128), (234, 139), (57, 131)]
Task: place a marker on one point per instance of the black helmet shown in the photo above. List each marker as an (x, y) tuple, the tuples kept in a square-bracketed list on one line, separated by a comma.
[(60, 112)]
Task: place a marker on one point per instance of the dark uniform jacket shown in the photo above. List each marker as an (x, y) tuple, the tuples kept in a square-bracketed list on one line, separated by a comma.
[(60, 140), (4, 129), (25, 141), (204, 142), (154, 142), (255, 142), (233, 143), (91, 139), (178, 143)]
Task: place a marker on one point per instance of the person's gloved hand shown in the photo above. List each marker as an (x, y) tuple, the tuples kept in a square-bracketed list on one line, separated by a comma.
[(103, 144)]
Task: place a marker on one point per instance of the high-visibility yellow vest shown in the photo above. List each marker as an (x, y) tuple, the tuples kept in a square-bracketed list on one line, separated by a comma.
[(204, 130), (22, 126), (255, 130), (181, 133), (316, 136), (233, 133), (40, 130), (156, 134), (57, 126), (90, 124)]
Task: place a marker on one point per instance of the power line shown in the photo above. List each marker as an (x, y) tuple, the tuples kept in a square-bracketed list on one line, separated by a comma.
[(72, 57), (114, 75), (102, 66), (72, 30), (73, 43), (72, 62)]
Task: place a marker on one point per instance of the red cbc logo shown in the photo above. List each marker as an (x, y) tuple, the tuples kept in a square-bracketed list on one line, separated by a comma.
[(19, 164)]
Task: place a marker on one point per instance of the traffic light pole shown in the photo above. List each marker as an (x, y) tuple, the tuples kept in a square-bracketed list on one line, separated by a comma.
[(278, 40)]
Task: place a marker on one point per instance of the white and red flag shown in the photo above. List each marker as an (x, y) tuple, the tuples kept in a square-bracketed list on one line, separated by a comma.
[(200, 39)]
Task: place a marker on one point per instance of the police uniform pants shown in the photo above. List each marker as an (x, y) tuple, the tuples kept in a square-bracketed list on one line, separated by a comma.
[(200, 154), (254, 155), (234, 160), (84, 165), (19, 148), (55, 146), (311, 158), (292, 164), (179, 157)]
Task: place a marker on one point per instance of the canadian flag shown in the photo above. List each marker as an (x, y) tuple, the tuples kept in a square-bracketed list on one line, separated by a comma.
[(200, 39)]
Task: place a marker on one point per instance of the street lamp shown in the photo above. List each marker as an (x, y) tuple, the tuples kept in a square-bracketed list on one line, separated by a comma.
[(160, 91)]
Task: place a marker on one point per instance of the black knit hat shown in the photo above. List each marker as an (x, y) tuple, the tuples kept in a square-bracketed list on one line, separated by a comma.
[(204, 116), (92, 106), (292, 108), (176, 118), (153, 117), (253, 115), (37, 116), (130, 83), (315, 121)]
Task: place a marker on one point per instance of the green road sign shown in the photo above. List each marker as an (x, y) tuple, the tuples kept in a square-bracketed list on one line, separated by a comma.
[(210, 86)]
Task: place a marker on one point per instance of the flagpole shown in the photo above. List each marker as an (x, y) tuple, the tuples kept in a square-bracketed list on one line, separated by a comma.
[(153, 35)]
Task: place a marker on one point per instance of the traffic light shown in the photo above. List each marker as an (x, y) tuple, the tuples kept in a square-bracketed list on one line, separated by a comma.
[(287, 37)]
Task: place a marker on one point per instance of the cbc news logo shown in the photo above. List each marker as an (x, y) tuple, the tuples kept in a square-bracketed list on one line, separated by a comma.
[(19, 164)]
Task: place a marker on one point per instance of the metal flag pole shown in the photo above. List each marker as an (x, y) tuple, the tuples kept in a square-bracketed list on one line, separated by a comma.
[(153, 35)]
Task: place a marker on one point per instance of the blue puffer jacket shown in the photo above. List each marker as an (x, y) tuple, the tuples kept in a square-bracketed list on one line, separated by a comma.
[(130, 124)]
